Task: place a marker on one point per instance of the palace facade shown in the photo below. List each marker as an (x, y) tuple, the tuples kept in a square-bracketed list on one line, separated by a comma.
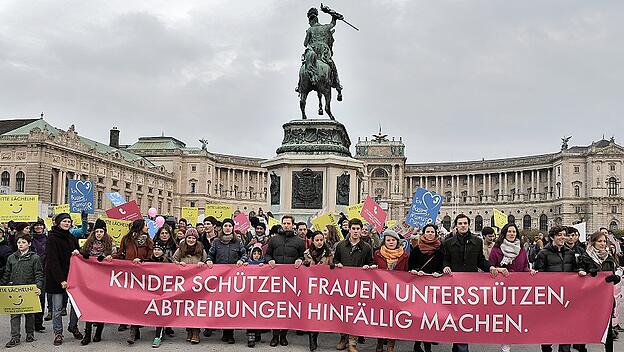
[(575, 184)]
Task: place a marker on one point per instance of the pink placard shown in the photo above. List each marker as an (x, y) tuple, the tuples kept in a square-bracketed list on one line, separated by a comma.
[(241, 223), (372, 212), (128, 211)]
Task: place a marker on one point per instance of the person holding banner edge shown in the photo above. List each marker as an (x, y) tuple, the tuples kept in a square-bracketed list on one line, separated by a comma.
[(597, 258)]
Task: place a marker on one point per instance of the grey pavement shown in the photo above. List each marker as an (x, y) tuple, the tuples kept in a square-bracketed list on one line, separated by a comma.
[(112, 340)]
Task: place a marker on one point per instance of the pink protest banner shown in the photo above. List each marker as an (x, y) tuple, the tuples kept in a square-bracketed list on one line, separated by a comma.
[(241, 223), (372, 212), (128, 211), (467, 307)]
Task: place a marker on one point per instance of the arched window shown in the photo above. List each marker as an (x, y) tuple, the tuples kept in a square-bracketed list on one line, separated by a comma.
[(5, 179), (543, 222), (511, 219), (492, 221), (20, 180), (446, 222), (558, 186), (577, 190), (612, 186), (478, 223), (526, 222), (613, 226), (380, 173)]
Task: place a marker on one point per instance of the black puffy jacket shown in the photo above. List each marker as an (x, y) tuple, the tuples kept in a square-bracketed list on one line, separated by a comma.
[(553, 259), (285, 248)]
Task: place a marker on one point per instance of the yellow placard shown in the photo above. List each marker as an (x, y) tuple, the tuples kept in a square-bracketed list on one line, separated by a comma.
[(320, 222), (273, 222), (500, 219), (117, 229), (81, 242), (190, 214), (354, 212), (48, 223), (19, 208), (64, 208), (20, 299), (390, 223), (219, 211)]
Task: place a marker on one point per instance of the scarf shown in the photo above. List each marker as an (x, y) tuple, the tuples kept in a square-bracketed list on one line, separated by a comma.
[(142, 240), (391, 255), (597, 255), (97, 248), (317, 254), (510, 251), (428, 246)]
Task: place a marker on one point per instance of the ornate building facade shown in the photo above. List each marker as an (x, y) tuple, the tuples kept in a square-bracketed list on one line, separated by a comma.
[(573, 185)]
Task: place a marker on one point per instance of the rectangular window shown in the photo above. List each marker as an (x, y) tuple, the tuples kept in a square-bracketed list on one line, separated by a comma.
[(192, 204), (115, 183), (150, 190), (614, 209), (99, 199), (612, 167), (160, 192), (193, 168), (128, 185), (100, 180), (193, 187), (577, 169), (139, 188)]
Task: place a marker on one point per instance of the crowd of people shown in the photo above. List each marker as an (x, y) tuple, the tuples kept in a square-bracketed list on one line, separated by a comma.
[(32, 254)]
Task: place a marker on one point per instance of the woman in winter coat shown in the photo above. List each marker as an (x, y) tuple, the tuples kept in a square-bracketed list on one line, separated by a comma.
[(318, 254), (136, 246), (508, 255), (164, 237), (191, 251), (99, 244), (597, 258), (59, 248), (425, 258), (390, 256), (227, 249), (332, 237)]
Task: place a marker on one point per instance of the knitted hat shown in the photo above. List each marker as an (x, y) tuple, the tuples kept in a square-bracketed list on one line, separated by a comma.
[(21, 226), (228, 221), (257, 248), (392, 233), (261, 224), (60, 217), (99, 224), (159, 245), (39, 222), (192, 232)]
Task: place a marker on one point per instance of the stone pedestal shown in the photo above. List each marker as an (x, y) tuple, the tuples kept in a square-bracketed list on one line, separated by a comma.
[(313, 170)]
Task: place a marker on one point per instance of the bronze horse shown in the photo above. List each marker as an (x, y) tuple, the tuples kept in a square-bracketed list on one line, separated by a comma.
[(314, 75)]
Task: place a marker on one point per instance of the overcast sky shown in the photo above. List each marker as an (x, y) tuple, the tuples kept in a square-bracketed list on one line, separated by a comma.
[(458, 80)]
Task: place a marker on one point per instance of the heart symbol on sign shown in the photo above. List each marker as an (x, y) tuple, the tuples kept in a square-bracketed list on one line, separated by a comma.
[(83, 187), (430, 200)]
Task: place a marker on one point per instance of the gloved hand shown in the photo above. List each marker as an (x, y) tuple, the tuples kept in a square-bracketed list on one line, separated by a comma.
[(593, 273), (100, 257), (332, 266), (614, 279), (85, 255), (84, 215), (306, 264)]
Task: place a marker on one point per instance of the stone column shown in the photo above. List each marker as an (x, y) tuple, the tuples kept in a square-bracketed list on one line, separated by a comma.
[(506, 195), (452, 188), (521, 185), (500, 187), (538, 195), (247, 189), (516, 185), (549, 196)]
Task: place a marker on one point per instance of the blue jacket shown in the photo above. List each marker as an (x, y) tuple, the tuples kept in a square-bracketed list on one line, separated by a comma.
[(80, 231)]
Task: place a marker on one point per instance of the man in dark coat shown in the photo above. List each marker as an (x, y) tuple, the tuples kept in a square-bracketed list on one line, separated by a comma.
[(557, 257), (353, 252), (285, 248), (463, 252)]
